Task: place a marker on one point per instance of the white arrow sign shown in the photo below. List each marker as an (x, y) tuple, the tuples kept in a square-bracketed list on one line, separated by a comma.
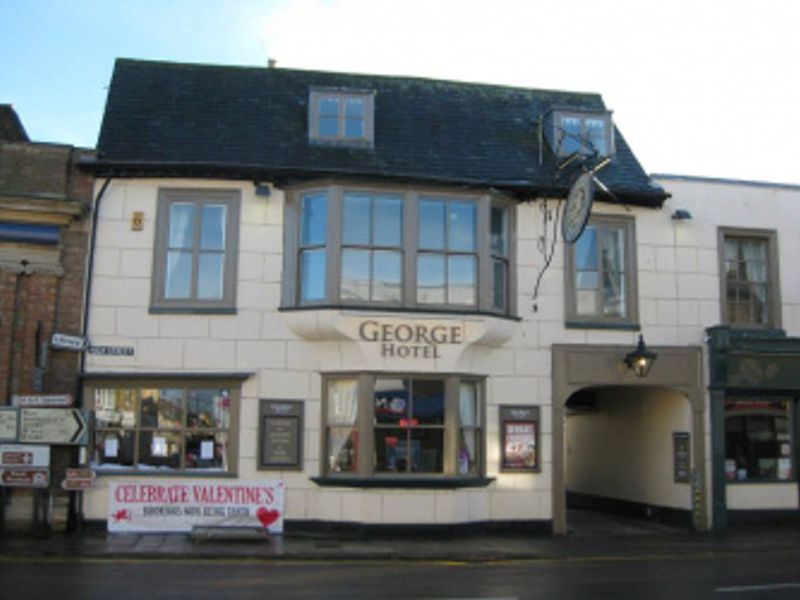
[(52, 426)]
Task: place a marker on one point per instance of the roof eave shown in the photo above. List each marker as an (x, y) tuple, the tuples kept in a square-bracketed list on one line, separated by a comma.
[(519, 188)]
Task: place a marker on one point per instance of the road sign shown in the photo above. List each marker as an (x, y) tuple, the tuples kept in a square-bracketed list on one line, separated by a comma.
[(24, 477), (80, 473), (53, 426), (76, 485), (8, 424), (18, 455), (68, 342), (43, 400)]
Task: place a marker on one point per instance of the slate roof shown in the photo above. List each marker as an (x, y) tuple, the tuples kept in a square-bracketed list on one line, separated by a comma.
[(165, 119), (11, 129)]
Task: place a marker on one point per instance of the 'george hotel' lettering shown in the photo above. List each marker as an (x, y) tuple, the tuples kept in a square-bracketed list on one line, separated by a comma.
[(410, 341)]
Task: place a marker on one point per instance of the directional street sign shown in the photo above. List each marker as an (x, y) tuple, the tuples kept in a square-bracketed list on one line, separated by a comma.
[(18, 455), (68, 342), (42, 400), (76, 485), (53, 426), (24, 477), (78, 479)]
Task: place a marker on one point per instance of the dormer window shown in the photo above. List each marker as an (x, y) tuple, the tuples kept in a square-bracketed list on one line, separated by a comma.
[(586, 133), (342, 117)]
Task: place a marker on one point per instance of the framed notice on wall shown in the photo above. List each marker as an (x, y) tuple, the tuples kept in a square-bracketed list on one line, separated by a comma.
[(280, 434), (519, 439), (681, 457)]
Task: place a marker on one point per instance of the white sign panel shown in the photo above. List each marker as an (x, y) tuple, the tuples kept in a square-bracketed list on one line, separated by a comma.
[(8, 424), (42, 400), (18, 455), (68, 342), (146, 506)]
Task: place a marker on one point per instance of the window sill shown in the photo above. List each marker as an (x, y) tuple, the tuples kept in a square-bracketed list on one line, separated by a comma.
[(404, 482), (111, 472), (192, 310), (793, 480), (602, 325)]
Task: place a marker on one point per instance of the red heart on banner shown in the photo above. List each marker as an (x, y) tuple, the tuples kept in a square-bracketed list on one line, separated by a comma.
[(267, 516)]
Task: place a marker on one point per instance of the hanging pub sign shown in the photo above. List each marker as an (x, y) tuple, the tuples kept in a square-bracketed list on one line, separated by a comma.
[(280, 434), (578, 207), (519, 431)]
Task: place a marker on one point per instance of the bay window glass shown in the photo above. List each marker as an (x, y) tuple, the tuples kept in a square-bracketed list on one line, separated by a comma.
[(371, 248), (360, 247), (758, 440), (166, 428), (500, 256), (447, 263), (395, 425), (195, 250), (601, 273), (313, 252)]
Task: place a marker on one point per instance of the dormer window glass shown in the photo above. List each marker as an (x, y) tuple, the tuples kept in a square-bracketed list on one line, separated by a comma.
[(571, 132), (341, 117)]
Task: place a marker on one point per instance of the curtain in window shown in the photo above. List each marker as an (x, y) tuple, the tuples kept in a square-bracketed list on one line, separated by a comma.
[(342, 413), (468, 410)]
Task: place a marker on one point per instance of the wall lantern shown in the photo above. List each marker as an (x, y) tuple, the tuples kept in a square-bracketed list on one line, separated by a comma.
[(641, 360)]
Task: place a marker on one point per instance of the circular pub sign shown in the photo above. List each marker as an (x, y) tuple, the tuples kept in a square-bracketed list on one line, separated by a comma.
[(579, 205)]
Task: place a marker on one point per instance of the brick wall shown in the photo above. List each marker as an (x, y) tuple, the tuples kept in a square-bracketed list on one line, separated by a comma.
[(42, 299)]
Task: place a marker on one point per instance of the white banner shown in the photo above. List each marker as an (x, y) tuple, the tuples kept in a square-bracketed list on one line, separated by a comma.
[(146, 506)]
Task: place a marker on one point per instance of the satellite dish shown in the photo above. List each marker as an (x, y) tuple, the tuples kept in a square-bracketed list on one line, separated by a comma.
[(579, 205)]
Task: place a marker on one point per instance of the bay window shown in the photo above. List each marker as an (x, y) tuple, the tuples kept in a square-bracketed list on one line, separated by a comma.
[(398, 249), (398, 426)]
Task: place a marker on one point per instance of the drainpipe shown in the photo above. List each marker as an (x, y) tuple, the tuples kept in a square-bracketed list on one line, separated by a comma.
[(89, 270), (75, 507)]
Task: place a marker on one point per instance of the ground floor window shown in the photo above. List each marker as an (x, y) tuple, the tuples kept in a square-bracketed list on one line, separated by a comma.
[(758, 440), (169, 427), (403, 425)]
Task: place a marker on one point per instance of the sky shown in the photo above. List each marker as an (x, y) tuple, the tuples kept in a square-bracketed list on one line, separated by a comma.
[(697, 87)]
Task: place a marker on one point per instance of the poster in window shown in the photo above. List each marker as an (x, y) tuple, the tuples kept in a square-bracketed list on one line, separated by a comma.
[(519, 429)]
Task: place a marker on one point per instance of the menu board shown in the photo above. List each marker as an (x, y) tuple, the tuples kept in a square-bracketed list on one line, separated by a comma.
[(280, 434), (519, 430)]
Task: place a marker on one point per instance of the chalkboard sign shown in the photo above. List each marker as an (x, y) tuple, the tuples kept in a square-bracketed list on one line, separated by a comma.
[(682, 459), (280, 434), (519, 431)]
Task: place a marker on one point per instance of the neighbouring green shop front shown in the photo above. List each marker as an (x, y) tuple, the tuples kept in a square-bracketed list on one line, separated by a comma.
[(754, 385)]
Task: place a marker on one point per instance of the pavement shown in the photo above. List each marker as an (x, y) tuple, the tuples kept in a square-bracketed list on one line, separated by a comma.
[(591, 537)]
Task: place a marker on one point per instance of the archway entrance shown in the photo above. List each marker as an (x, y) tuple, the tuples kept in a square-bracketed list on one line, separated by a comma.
[(627, 458), (625, 444)]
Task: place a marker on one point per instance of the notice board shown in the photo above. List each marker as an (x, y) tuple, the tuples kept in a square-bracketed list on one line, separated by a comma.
[(280, 434)]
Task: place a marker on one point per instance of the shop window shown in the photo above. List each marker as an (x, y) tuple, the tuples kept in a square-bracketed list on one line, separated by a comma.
[(399, 250), (391, 426), (195, 252), (166, 428), (758, 440), (341, 116), (750, 291), (601, 274)]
